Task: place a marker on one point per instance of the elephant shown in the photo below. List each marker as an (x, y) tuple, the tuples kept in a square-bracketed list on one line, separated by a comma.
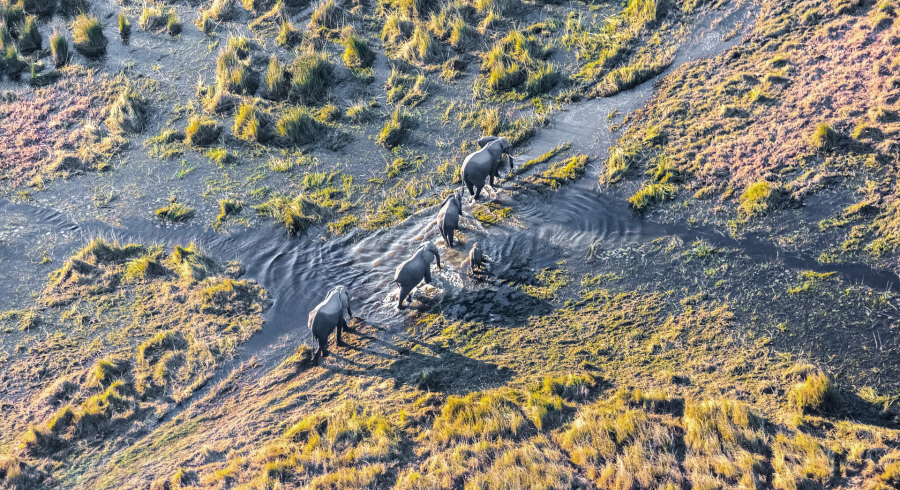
[(485, 163), (328, 315), (410, 273), (476, 257), (448, 217)]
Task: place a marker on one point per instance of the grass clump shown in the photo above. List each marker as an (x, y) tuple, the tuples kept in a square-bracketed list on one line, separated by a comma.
[(59, 48), (202, 131), (406, 89), (311, 75), (298, 126), (222, 157), (394, 130), (621, 161), (616, 443), (221, 10), (107, 371), (824, 138), (297, 213), (29, 35), (757, 200), (228, 207), (87, 33), (478, 416), (124, 27), (817, 394), (565, 171), (651, 193), (360, 112), (357, 53), (277, 83), (175, 212), (288, 35), (173, 25), (543, 158), (192, 264), (725, 442), (25, 319), (422, 47), (252, 124), (326, 14), (233, 72), (153, 18), (516, 60), (128, 113)]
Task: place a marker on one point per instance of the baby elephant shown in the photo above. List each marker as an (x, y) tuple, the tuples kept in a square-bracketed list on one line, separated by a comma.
[(448, 217), (328, 315), (410, 273), (476, 257)]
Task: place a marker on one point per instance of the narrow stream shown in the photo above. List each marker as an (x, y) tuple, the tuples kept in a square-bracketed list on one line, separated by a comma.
[(298, 271)]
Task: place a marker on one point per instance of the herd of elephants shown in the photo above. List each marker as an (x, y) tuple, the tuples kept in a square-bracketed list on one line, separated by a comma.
[(476, 169)]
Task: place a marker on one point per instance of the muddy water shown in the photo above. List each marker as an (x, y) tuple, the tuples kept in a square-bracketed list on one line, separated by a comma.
[(299, 271)]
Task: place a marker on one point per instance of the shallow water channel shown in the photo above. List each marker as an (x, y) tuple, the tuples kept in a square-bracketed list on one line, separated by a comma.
[(298, 272)]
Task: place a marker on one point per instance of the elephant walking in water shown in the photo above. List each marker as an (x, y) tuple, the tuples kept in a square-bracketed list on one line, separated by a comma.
[(476, 257), (327, 316), (448, 217), (484, 164), (410, 273)]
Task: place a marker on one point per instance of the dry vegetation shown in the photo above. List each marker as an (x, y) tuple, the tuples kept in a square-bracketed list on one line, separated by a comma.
[(136, 330), (659, 390), (782, 117)]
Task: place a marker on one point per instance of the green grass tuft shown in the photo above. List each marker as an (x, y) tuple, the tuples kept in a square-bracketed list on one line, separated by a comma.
[(357, 53), (252, 124), (297, 213), (87, 33), (824, 138), (29, 35), (202, 131), (817, 393), (394, 130), (311, 76), (651, 193), (276, 85), (59, 48), (757, 199), (298, 126), (175, 212), (124, 26)]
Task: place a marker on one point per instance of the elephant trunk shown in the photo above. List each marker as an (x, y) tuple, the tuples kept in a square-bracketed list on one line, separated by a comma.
[(438, 259)]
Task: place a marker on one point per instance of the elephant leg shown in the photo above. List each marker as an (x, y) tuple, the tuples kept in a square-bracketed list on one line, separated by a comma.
[(492, 179), (450, 235), (477, 193), (323, 346), (342, 324), (469, 186), (404, 292), (428, 275)]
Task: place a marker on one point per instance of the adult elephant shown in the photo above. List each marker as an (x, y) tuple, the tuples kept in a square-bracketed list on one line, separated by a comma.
[(327, 316), (448, 217), (410, 273), (485, 163)]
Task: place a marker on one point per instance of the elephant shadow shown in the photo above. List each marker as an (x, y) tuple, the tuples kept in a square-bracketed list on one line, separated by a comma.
[(426, 366)]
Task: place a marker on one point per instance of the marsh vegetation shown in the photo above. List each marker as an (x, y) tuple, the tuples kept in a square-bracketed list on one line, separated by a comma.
[(678, 361)]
